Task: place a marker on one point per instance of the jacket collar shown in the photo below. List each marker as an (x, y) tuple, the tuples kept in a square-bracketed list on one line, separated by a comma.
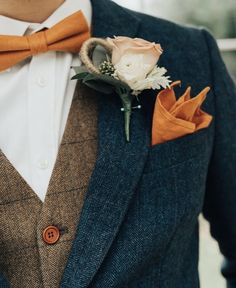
[(110, 20), (118, 167)]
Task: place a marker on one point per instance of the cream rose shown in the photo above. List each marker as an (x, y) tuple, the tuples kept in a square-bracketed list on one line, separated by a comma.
[(134, 59)]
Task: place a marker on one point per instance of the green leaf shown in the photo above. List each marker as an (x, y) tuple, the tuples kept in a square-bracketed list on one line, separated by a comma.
[(99, 86), (80, 76), (111, 80), (102, 83)]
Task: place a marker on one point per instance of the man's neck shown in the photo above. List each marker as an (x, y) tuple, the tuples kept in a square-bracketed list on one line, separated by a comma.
[(35, 11)]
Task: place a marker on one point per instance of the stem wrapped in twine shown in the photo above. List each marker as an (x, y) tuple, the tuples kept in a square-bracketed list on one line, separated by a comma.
[(87, 49)]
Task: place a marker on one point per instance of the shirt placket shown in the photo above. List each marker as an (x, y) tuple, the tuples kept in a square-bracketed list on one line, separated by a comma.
[(41, 100)]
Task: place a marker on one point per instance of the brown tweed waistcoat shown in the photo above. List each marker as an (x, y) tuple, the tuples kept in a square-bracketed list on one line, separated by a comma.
[(25, 259)]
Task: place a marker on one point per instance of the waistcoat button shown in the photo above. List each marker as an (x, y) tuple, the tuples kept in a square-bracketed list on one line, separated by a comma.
[(51, 235)]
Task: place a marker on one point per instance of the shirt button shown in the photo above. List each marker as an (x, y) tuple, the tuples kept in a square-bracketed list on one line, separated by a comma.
[(43, 164), (41, 81), (51, 235)]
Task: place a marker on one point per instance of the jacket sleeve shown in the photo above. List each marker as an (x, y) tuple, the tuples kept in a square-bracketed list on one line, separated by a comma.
[(220, 200)]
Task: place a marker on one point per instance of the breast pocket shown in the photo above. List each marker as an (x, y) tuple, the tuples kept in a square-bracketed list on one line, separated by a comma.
[(171, 153), (175, 174)]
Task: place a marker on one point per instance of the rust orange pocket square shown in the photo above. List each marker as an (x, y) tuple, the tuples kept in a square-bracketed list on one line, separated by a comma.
[(173, 118)]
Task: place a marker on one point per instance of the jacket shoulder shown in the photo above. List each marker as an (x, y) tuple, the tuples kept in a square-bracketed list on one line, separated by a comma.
[(157, 28)]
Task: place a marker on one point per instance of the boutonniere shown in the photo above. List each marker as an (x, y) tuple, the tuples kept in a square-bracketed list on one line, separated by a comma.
[(122, 65)]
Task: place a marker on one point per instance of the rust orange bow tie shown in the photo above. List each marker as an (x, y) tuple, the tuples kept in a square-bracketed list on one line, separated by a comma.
[(68, 35)]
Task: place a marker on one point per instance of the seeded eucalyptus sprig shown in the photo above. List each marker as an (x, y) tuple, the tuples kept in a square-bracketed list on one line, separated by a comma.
[(107, 68)]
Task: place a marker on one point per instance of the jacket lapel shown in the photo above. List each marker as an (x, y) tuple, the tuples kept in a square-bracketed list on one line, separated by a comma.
[(117, 170)]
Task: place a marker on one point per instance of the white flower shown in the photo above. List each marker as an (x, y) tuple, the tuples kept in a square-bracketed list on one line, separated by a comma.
[(132, 68), (135, 63)]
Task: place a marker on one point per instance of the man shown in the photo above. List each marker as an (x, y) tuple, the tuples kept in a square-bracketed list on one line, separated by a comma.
[(81, 207)]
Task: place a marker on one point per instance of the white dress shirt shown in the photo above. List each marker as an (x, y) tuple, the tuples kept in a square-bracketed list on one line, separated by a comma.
[(35, 99)]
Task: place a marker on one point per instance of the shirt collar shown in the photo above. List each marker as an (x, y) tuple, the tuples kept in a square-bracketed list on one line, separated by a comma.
[(9, 26)]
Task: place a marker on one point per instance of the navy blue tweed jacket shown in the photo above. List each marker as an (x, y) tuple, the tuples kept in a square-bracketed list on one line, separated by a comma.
[(139, 224)]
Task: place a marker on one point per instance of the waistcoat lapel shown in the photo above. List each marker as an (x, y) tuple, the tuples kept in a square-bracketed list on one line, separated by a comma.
[(118, 167)]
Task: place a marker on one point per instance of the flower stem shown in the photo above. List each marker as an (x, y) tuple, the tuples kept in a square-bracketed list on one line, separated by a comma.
[(127, 103)]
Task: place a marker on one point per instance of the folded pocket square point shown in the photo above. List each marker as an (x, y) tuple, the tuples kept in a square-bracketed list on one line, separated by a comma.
[(174, 118)]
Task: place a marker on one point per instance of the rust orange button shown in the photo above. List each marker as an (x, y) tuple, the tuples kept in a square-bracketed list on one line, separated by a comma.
[(51, 235)]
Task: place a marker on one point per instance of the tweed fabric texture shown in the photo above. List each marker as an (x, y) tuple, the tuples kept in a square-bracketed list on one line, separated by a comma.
[(146, 234), (139, 224), (26, 260)]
